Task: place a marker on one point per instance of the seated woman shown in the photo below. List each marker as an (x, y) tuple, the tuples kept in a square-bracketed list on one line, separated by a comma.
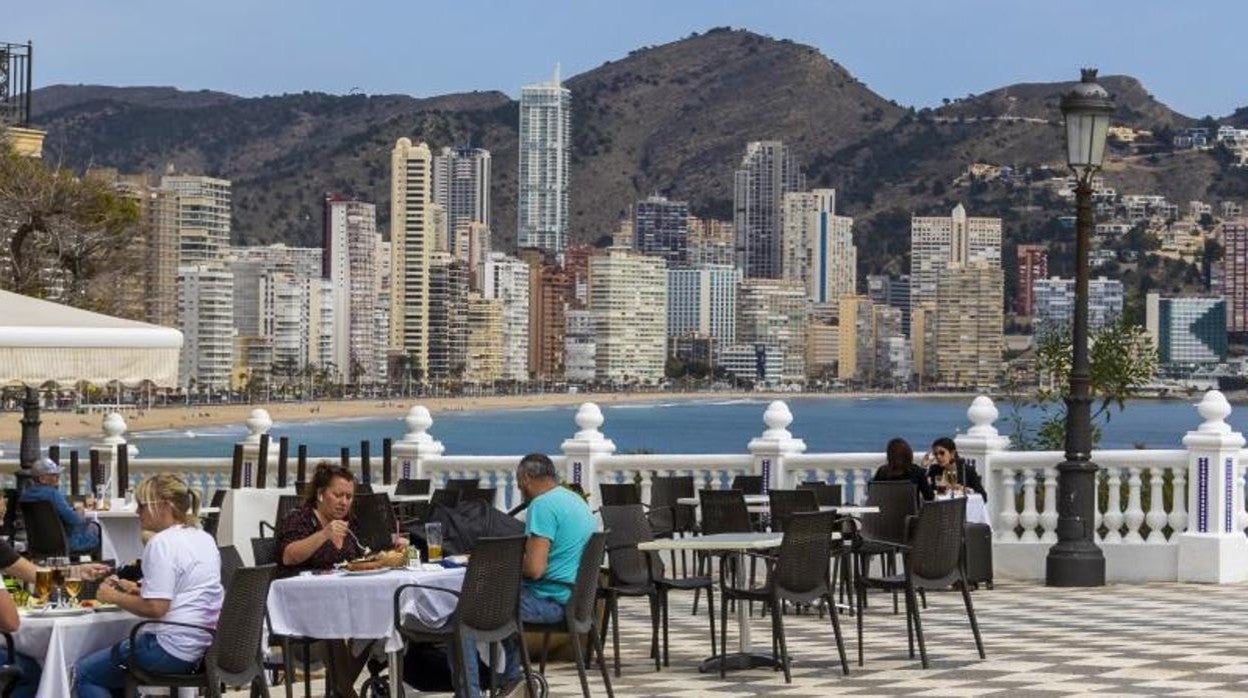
[(943, 463), (45, 487), (181, 584), (899, 466)]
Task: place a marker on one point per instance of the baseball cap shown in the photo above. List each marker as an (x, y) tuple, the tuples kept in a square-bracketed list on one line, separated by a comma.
[(46, 466)]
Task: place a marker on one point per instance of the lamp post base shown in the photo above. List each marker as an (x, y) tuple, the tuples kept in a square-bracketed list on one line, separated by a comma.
[(1076, 564)]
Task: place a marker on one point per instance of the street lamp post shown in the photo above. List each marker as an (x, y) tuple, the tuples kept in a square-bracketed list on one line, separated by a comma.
[(1076, 560)]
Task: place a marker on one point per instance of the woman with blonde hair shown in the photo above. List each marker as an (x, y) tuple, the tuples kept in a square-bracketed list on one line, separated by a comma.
[(181, 586)]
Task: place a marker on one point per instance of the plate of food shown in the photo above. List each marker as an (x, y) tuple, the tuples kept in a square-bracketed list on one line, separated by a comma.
[(376, 563), (98, 606), (49, 612)]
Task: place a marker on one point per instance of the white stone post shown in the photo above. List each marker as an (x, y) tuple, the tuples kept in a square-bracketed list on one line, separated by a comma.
[(773, 446), (258, 423), (1213, 549), (410, 452), (978, 445), (114, 435), (585, 449)]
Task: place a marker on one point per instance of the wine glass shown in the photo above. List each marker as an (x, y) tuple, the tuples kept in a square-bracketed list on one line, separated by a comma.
[(73, 587), (43, 584)]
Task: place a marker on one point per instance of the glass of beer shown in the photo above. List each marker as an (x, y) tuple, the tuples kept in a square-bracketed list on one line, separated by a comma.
[(433, 540), (43, 584), (73, 587)]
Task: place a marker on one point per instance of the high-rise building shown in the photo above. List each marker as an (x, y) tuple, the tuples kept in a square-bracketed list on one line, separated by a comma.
[(550, 292), (576, 264), (507, 279), (411, 239), (461, 186), (702, 302), (1235, 274), (854, 341), (938, 242), (767, 172), (474, 248), (711, 242), (775, 312), (969, 325), (1033, 265), (628, 294), (759, 364), (891, 290), (206, 316), (580, 347), (1053, 304), (822, 347), (545, 144), (485, 340), (1187, 331), (203, 217), (661, 227), (448, 317), (350, 264), (152, 293), (891, 363), (818, 246), (279, 295)]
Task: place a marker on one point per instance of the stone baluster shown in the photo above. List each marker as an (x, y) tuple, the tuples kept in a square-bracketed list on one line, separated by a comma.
[(1007, 516), (1048, 518), (774, 445), (1098, 516), (1133, 517), (410, 452), (856, 491), (1178, 502), (1156, 516), (1030, 518), (1113, 511), (647, 478), (114, 427), (1214, 548), (585, 449), (979, 444)]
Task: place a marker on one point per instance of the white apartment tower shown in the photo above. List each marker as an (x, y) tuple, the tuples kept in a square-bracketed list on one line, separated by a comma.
[(937, 242), (411, 239), (203, 217), (818, 246), (628, 297), (461, 186), (767, 172), (507, 280), (206, 315), (702, 302), (350, 266), (545, 144)]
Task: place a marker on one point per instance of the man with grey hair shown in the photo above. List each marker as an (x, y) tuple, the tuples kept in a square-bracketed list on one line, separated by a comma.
[(558, 524), (45, 487)]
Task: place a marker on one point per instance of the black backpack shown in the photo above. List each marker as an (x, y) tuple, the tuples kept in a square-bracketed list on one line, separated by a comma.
[(464, 524)]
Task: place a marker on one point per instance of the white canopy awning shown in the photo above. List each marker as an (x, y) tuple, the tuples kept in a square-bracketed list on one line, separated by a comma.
[(41, 341)]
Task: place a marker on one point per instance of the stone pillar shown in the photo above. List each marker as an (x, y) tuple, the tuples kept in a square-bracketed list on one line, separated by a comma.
[(114, 435), (978, 445), (1213, 548), (585, 449), (409, 453), (258, 423), (773, 446)]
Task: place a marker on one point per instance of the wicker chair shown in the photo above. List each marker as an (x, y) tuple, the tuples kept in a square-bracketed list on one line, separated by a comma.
[(748, 484), (10, 673), (799, 574), (45, 532), (619, 494), (213, 520), (668, 517), (827, 495), (286, 503), (897, 501), (580, 614), (488, 609), (264, 551), (785, 503), (231, 561), (410, 486), (234, 658), (723, 511), (376, 520), (463, 483), (933, 556), (634, 573)]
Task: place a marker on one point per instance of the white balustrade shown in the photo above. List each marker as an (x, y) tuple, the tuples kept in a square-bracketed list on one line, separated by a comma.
[(1156, 516), (1048, 518), (1113, 511), (1007, 518), (1178, 504), (1029, 518)]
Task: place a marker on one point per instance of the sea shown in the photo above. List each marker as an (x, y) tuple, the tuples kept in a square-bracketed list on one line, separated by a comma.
[(827, 424)]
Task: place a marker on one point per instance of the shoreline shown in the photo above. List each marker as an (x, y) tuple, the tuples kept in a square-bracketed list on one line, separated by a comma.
[(72, 425)]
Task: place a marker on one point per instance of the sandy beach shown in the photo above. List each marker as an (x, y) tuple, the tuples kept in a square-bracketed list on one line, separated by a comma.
[(69, 425)]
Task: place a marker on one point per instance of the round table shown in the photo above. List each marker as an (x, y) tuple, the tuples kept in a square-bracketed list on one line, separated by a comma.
[(57, 643), (121, 536), (976, 510)]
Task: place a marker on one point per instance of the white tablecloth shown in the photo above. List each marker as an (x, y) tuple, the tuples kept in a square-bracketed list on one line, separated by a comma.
[(56, 643), (121, 536), (241, 514), (976, 510), (331, 607)]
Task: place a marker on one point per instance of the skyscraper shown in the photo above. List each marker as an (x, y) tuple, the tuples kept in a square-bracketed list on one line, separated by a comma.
[(411, 238), (448, 318), (461, 186), (628, 295), (702, 302), (711, 242), (937, 242), (818, 246), (774, 312), (206, 316), (661, 227), (1054, 304), (203, 217), (550, 293), (485, 339), (1033, 265), (767, 172), (1187, 330), (507, 280), (894, 291), (350, 264), (1235, 274), (545, 144), (152, 293), (969, 325)]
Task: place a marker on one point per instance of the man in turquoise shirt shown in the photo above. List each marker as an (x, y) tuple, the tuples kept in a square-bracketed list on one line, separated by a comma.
[(558, 523)]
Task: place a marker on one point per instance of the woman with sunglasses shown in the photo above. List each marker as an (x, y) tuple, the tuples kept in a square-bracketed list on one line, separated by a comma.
[(181, 584), (943, 464)]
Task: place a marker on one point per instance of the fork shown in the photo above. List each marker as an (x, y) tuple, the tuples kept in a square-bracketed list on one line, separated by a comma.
[(364, 549)]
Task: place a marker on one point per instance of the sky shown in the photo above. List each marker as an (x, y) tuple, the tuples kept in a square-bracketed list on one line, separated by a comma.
[(1189, 55)]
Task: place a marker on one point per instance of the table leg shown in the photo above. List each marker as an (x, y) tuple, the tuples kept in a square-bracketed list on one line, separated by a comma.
[(396, 674), (745, 657)]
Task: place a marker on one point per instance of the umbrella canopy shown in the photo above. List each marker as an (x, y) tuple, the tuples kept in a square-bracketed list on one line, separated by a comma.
[(41, 341)]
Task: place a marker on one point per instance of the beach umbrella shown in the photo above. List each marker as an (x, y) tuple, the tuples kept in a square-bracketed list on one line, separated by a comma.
[(45, 342)]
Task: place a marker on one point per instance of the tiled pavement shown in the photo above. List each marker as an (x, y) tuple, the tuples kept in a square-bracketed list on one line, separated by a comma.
[(1158, 639)]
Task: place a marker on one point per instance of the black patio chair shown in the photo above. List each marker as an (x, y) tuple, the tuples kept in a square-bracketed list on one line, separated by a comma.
[(748, 484), (410, 486), (613, 494), (463, 483), (723, 511), (798, 574), (579, 614), (670, 518), (376, 520), (488, 608), (363, 488), (10, 673), (235, 657), (286, 503), (231, 561), (897, 501), (213, 520), (45, 532), (933, 556), (826, 494), (785, 503), (636, 573), (264, 551)]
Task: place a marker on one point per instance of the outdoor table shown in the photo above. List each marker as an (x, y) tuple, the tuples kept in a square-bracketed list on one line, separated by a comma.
[(121, 536), (359, 606), (738, 543), (241, 513), (407, 498), (850, 510), (58, 642), (754, 503), (976, 510)]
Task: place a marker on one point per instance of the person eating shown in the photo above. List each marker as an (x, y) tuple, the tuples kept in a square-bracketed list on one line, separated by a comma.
[(944, 466), (181, 584), (45, 487)]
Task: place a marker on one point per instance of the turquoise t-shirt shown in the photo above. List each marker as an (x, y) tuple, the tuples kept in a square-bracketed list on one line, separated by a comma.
[(561, 517)]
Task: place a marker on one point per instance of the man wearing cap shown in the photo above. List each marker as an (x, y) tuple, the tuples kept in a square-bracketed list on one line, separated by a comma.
[(45, 487)]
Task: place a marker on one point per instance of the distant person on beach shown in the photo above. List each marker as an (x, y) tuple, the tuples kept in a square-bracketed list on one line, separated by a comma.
[(944, 465), (45, 487), (899, 466)]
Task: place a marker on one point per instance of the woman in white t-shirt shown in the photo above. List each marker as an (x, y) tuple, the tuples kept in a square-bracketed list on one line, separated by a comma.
[(181, 584)]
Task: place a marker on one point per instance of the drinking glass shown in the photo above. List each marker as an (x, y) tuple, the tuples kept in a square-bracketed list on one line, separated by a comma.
[(101, 497), (433, 540), (43, 584), (60, 566), (73, 587)]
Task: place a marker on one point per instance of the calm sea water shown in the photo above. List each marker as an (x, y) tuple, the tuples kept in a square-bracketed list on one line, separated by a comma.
[(698, 426)]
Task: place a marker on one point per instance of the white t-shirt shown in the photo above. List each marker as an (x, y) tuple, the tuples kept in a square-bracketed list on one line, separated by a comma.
[(182, 564)]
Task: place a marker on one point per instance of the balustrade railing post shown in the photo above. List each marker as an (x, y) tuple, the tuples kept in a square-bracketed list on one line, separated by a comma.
[(1213, 548), (258, 424), (114, 435), (977, 446), (773, 446), (416, 446), (585, 449)]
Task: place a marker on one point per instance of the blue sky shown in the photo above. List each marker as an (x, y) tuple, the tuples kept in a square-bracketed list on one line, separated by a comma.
[(1187, 54)]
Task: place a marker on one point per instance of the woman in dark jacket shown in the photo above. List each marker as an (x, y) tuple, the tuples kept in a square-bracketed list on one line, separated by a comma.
[(946, 460), (899, 466)]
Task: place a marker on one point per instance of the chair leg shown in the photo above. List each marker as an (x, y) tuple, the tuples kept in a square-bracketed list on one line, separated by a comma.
[(259, 689), (909, 625), (777, 623), (579, 653), (970, 614), (655, 616), (923, 597), (527, 664), (861, 592), (606, 678), (698, 561), (710, 601), (913, 601), (723, 628), (288, 662), (840, 639), (545, 648), (489, 647), (663, 609)]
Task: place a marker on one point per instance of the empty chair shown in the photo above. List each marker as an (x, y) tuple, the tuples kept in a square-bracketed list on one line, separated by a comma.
[(377, 523), (785, 503), (826, 494), (723, 511), (264, 551), (933, 556), (410, 486), (211, 521), (463, 483), (579, 614), (896, 501), (285, 505), (748, 484), (668, 517), (613, 494), (231, 561)]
